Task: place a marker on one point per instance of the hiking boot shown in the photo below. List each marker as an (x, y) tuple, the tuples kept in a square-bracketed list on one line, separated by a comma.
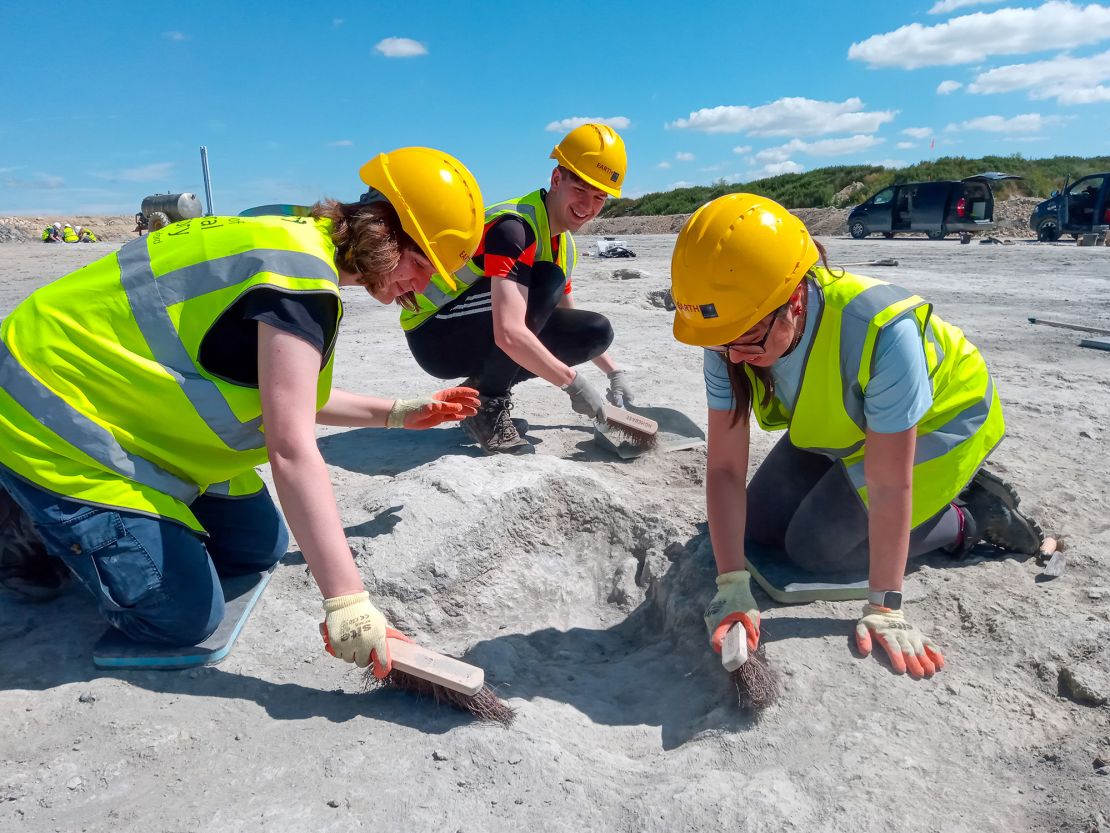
[(492, 428), (991, 515), (521, 425), (25, 566)]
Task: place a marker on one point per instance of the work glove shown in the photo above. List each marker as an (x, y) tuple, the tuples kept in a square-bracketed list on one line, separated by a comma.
[(618, 392), (585, 399), (429, 411), (908, 648), (733, 603), (355, 631)]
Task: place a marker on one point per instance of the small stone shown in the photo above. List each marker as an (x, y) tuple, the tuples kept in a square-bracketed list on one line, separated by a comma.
[(238, 737), (87, 697), (333, 803), (438, 756), (514, 761), (1097, 592), (518, 801), (75, 783), (1085, 435), (1079, 685), (1103, 770)]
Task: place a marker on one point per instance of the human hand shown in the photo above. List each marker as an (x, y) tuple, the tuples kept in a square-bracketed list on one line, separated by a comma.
[(733, 603), (355, 631), (585, 399), (908, 649), (447, 405), (618, 392)]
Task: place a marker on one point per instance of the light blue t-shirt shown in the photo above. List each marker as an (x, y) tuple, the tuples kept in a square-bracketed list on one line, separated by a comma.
[(898, 395)]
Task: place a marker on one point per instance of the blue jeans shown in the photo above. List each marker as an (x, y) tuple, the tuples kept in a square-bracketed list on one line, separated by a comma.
[(154, 579)]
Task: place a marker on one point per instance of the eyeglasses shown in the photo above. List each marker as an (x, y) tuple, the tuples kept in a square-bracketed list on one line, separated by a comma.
[(751, 348)]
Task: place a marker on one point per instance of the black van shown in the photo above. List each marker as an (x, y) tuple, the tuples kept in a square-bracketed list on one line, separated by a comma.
[(935, 208), (1081, 207)]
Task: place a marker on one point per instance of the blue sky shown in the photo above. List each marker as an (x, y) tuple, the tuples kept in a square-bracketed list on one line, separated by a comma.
[(115, 99)]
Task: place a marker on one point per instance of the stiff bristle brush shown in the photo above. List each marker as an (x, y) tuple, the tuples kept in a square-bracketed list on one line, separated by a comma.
[(757, 685), (635, 429), (445, 679)]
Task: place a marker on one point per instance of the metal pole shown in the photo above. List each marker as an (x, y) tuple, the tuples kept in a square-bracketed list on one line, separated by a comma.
[(207, 181)]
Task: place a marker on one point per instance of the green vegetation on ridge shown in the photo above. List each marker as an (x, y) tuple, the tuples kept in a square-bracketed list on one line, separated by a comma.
[(816, 188)]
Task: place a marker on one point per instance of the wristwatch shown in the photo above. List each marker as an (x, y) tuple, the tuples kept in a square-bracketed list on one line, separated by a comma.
[(890, 599)]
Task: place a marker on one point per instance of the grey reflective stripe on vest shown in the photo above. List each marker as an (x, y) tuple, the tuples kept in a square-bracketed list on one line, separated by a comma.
[(855, 323), (942, 439), (150, 297), (80, 431)]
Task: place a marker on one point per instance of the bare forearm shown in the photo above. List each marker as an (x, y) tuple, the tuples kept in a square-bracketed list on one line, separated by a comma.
[(354, 410), (888, 524), (726, 500), (605, 364), (305, 492)]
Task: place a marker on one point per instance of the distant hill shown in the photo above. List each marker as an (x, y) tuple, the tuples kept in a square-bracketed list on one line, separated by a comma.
[(836, 186)]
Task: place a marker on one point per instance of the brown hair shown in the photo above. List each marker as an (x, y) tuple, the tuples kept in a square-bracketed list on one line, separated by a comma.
[(368, 237), (742, 389)]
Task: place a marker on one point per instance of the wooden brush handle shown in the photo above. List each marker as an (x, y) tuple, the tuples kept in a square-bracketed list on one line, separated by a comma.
[(734, 647), (436, 668), (626, 419)]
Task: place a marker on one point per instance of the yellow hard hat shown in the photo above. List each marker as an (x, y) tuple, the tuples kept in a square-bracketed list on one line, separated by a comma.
[(737, 259), (437, 200), (596, 153)]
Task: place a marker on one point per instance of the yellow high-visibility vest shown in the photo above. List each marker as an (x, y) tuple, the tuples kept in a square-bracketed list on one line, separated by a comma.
[(102, 396), (954, 436), (530, 209)]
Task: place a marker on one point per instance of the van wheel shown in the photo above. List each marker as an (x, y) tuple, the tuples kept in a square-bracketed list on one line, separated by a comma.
[(1048, 231), (888, 234), (858, 230), (935, 234)]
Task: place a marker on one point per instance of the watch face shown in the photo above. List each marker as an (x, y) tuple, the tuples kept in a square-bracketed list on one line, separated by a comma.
[(892, 599)]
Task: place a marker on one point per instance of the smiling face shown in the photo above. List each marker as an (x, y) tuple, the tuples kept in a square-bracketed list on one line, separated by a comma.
[(571, 202), (408, 278)]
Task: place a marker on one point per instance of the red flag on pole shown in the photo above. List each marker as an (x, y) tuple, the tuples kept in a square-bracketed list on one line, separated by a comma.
[(932, 143)]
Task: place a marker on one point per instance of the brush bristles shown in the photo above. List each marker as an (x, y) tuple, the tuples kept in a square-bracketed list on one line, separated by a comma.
[(485, 705), (640, 439), (757, 685)]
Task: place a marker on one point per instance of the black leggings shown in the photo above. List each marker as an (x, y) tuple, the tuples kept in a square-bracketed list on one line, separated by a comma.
[(459, 342), (803, 503)]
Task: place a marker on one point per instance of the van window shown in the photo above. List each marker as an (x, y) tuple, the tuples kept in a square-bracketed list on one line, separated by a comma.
[(1083, 199), (883, 196)]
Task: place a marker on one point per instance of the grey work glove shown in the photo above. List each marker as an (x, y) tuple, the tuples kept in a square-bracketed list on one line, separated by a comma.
[(585, 399), (618, 392)]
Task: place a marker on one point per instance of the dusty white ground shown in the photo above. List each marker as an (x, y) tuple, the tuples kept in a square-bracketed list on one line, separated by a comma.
[(578, 582)]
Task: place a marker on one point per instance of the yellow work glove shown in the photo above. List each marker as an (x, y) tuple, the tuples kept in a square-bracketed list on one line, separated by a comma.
[(354, 631), (908, 648), (429, 411), (733, 603)]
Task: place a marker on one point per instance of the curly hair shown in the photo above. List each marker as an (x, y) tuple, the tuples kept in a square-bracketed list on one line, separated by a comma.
[(368, 238)]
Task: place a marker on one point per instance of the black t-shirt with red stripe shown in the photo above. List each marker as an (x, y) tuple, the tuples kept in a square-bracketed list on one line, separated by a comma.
[(508, 250)]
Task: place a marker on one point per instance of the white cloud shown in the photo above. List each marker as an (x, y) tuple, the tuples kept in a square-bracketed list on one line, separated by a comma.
[(663, 165), (888, 163), (38, 182), (786, 166), (336, 22), (946, 87), (822, 147), (787, 117), (1068, 80), (144, 173), (340, 143), (946, 6), (1025, 123), (918, 132), (683, 156), (742, 149), (682, 183), (175, 36), (974, 37), (905, 145), (400, 48), (566, 125)]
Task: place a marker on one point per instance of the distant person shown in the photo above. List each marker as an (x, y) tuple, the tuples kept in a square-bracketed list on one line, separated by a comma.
[(52, 233), (889, 411), (68, 234), (85, 235), (141, 223), (141, 477), (511, 315)]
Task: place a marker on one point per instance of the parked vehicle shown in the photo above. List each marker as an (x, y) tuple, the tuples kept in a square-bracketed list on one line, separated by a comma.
[(940, 208), (1079, 208)]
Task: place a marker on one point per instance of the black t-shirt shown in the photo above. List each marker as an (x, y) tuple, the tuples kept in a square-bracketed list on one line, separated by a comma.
[(230, 349)]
